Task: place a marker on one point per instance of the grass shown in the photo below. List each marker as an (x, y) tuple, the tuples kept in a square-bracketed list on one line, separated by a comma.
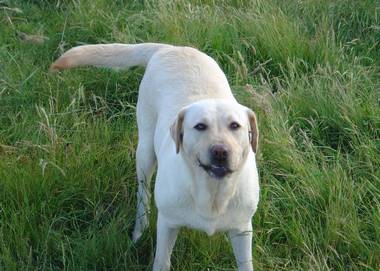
[(67, 141)]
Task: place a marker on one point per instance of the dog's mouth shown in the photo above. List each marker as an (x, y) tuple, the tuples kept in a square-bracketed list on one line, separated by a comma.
[(215, 171)]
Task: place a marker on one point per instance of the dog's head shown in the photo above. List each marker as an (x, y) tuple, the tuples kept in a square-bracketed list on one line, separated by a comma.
[(215, 135)]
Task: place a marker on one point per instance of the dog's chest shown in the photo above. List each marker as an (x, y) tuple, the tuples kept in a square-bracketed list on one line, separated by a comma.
[(181, 211)]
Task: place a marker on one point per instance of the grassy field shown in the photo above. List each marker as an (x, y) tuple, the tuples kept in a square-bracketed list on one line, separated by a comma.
[(310, 69)]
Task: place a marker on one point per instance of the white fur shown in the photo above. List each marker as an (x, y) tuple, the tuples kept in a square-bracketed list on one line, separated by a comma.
[(182, 78)]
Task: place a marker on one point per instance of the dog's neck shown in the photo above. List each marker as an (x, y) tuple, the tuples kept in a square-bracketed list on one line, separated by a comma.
[(211, 196)]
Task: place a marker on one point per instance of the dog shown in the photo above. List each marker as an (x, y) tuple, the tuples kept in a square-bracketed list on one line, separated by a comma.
[(202, 141)]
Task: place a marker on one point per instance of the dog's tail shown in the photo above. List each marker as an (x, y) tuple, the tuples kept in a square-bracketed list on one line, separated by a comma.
[(115, 55)]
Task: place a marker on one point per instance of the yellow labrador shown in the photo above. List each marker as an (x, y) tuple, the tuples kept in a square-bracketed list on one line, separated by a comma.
[(202, 139)]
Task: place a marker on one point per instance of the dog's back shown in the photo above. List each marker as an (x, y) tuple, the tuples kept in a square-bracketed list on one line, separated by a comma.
[(175, 76)]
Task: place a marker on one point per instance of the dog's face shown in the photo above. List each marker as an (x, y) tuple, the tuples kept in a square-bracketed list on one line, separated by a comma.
[(215, 136)]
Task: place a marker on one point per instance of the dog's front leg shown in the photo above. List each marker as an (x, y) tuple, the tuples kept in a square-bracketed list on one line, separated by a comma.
[(166, 237), (242, 246)]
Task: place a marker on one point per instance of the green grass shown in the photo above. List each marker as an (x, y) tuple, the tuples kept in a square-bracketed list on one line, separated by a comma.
[(67, 141)]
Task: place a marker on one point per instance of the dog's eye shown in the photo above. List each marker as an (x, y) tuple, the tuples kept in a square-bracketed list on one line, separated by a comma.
[(200, 126), (234, 125)]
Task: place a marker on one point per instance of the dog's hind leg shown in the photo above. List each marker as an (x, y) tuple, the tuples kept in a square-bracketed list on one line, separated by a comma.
[(145, 166)]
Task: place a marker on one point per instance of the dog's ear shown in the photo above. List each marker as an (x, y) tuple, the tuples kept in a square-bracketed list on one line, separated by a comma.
[(176, 130), (254, 131)]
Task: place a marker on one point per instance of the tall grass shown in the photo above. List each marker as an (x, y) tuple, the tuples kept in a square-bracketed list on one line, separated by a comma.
[(310, 69)]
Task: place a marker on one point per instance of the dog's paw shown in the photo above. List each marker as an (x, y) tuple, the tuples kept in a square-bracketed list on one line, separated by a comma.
[(136, 235), (140, 226)]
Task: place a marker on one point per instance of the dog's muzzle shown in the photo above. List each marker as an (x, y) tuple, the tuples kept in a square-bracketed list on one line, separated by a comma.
[(219, 162), (216, 171)]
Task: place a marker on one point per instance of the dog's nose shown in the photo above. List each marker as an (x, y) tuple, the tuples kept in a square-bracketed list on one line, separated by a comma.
[(219, 152)]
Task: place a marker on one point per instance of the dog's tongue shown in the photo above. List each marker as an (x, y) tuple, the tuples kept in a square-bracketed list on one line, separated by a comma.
[(219, 172)]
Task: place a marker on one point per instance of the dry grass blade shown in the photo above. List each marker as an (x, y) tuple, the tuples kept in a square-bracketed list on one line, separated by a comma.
[(6, 149), (33, 39), (263, 101), (14, 10)]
